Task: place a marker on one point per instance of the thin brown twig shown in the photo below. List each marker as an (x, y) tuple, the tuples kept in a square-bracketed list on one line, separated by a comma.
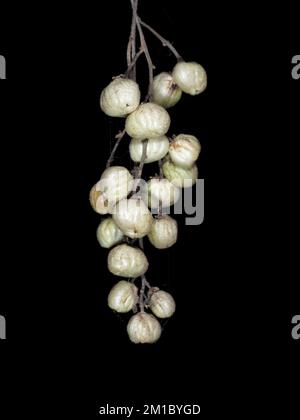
[(143, 278), (143, 297), (147, 54), (139, 171), (134, 4), (142, 292), (141, 243), (129, 53), (119, 137), (131, 46), (148, 284), (133, 63), (145, 283), (164, 41)]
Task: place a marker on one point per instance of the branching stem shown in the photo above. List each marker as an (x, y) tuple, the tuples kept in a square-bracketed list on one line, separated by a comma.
[(142, 292), (144, 284), (133, 63), (164, 41), (147, 54), (131, 46)]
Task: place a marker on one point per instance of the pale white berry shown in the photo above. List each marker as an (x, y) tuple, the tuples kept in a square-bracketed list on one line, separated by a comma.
[(161, 192), (164, 232), (157, 148), (190, 77), (165, 92), (127, 261), (108, 233), (115, 183), (120, 97), (184, 150), (147, 121), (99, 201), (162, 304), (133, 217), (143, 328), (180, 177), (123, 296)]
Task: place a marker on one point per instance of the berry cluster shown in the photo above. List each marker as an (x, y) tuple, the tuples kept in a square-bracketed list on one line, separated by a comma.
[(135, 208)]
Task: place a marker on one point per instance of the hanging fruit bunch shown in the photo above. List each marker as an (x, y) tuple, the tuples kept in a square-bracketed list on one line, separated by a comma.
[(129, 201)]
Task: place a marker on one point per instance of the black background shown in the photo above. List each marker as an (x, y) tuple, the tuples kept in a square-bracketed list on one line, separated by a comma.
[(233, 277)]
